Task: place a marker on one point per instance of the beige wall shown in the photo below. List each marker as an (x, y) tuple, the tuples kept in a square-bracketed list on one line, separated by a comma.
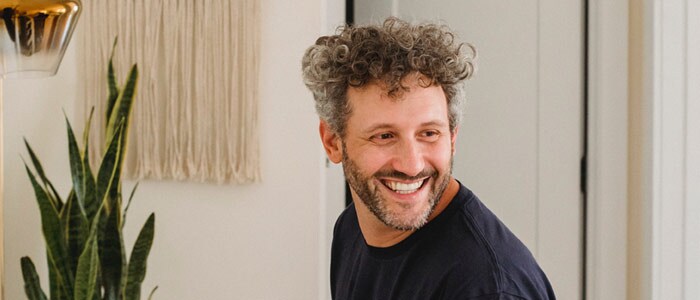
[(261, 241)]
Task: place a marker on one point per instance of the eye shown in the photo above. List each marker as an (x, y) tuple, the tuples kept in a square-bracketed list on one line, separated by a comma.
[(430, 135), (385, 136), (382, 138)]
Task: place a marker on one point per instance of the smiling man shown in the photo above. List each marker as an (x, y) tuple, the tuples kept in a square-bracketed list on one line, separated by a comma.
[(389, 99)]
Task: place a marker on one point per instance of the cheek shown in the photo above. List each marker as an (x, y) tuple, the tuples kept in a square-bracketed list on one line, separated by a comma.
[(441, 154), (371, 160)]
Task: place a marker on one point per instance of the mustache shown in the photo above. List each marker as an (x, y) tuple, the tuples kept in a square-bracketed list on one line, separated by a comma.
[(403, 176)]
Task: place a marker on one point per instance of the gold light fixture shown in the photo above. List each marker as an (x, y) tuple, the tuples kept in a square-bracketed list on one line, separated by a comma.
[(34, 35)]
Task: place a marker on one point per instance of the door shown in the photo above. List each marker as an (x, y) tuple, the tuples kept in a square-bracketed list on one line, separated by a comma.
[(520, 145)]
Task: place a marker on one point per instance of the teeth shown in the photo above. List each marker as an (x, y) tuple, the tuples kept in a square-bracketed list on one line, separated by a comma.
[(404, 188)]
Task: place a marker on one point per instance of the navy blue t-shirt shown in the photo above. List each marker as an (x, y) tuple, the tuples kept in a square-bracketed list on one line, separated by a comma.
[(464, 253)]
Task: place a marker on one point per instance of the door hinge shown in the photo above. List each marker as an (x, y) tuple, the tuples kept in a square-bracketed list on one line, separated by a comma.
[(584, 174)]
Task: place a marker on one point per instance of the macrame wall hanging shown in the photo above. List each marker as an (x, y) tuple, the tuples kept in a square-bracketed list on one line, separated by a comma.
[(195, 115)]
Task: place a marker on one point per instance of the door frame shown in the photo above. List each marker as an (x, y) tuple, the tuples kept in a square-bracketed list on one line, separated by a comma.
[(607, 77)]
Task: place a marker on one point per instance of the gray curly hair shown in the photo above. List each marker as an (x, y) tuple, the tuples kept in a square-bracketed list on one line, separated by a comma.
[(385, 53)]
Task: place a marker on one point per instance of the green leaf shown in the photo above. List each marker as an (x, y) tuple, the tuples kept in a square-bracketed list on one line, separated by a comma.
[(112, 84), (131, 196), (32, 286), (123, 104), (120, 114), (77, 168), (56, 292), (53, 235), (88, 264), (153, 291), (91, 201), (98, 285), (86, 134), (138, 259), (112, 257), (78, 230), (54, 197), (64, 214), (108, 174)]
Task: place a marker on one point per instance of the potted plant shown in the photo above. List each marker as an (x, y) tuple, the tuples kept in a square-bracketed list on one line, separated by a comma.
[(83, 232)]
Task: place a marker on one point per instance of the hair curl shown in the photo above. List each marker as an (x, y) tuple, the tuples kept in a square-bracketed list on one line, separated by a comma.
[(385, 53)]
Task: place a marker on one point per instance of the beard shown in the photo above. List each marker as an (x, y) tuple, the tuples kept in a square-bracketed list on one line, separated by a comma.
[(370, 194)]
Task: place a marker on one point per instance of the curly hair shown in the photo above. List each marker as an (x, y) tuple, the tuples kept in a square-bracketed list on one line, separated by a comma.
[(385, 53)]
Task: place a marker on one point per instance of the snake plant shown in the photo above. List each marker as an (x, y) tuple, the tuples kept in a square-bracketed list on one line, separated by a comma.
[(83, 233)]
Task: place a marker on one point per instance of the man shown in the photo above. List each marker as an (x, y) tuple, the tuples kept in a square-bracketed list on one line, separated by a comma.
[(389, 99)]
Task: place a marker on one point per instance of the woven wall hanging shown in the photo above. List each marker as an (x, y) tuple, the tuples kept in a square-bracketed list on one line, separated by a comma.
[(195, 115)]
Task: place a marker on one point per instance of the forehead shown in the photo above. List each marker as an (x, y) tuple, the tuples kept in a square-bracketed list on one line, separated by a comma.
[(371, 105)]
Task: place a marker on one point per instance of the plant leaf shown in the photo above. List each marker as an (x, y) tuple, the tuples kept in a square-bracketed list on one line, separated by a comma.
[(86, 135), (88, 264), (112, 257), (76, 168), (108, 174), (91, 200), (120, 118), (111, 245), (56, 292), (57, 289), (112, 84), (153, 291), (40, 171), (98, 285), (77, 229), (131, 196), (64, 215), (138, 259), (53, 236), (32, 286), (123, 104)]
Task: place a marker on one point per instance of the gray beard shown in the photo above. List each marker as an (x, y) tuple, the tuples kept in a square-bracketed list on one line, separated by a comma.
[(377, 204)]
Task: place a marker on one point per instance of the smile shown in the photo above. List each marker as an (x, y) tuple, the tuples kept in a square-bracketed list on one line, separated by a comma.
[(404, 188)]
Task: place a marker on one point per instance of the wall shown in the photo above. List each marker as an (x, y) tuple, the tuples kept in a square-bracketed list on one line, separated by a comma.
[(260, 241), (33, 110)]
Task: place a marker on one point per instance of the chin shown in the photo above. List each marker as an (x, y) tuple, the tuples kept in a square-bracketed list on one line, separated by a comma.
[(408, 220)]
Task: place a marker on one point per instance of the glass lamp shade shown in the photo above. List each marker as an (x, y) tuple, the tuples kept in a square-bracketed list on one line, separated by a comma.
[(34, 35)]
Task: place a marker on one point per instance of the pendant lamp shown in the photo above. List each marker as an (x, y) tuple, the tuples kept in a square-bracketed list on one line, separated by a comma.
[(34, 35)]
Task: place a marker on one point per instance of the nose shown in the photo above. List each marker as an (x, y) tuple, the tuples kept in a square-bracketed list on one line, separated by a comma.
[(408, 158)]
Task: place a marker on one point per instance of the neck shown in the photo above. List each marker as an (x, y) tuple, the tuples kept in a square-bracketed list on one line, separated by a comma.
[(378, 234)]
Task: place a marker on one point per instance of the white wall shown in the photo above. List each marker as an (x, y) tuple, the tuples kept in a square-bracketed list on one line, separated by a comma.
[(32, 109), (261, 241)]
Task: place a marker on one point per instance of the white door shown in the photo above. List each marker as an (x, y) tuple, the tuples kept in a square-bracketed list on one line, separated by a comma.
[(521, 142)]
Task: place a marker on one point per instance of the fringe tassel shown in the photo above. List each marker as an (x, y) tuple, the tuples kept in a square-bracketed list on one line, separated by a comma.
[(195, 115)]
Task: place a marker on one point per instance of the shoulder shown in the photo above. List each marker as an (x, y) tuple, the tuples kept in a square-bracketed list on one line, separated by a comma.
[(504, 258), (346, 232), (347, 220)]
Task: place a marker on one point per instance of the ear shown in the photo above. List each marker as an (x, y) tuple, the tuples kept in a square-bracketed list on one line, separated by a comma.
[(453, 139), (331, 142)]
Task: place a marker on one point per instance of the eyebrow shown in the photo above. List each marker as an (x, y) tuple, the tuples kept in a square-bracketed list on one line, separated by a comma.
[(389, 126)]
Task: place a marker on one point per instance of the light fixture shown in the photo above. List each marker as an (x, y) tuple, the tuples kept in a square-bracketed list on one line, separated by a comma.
[(34, 35)]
